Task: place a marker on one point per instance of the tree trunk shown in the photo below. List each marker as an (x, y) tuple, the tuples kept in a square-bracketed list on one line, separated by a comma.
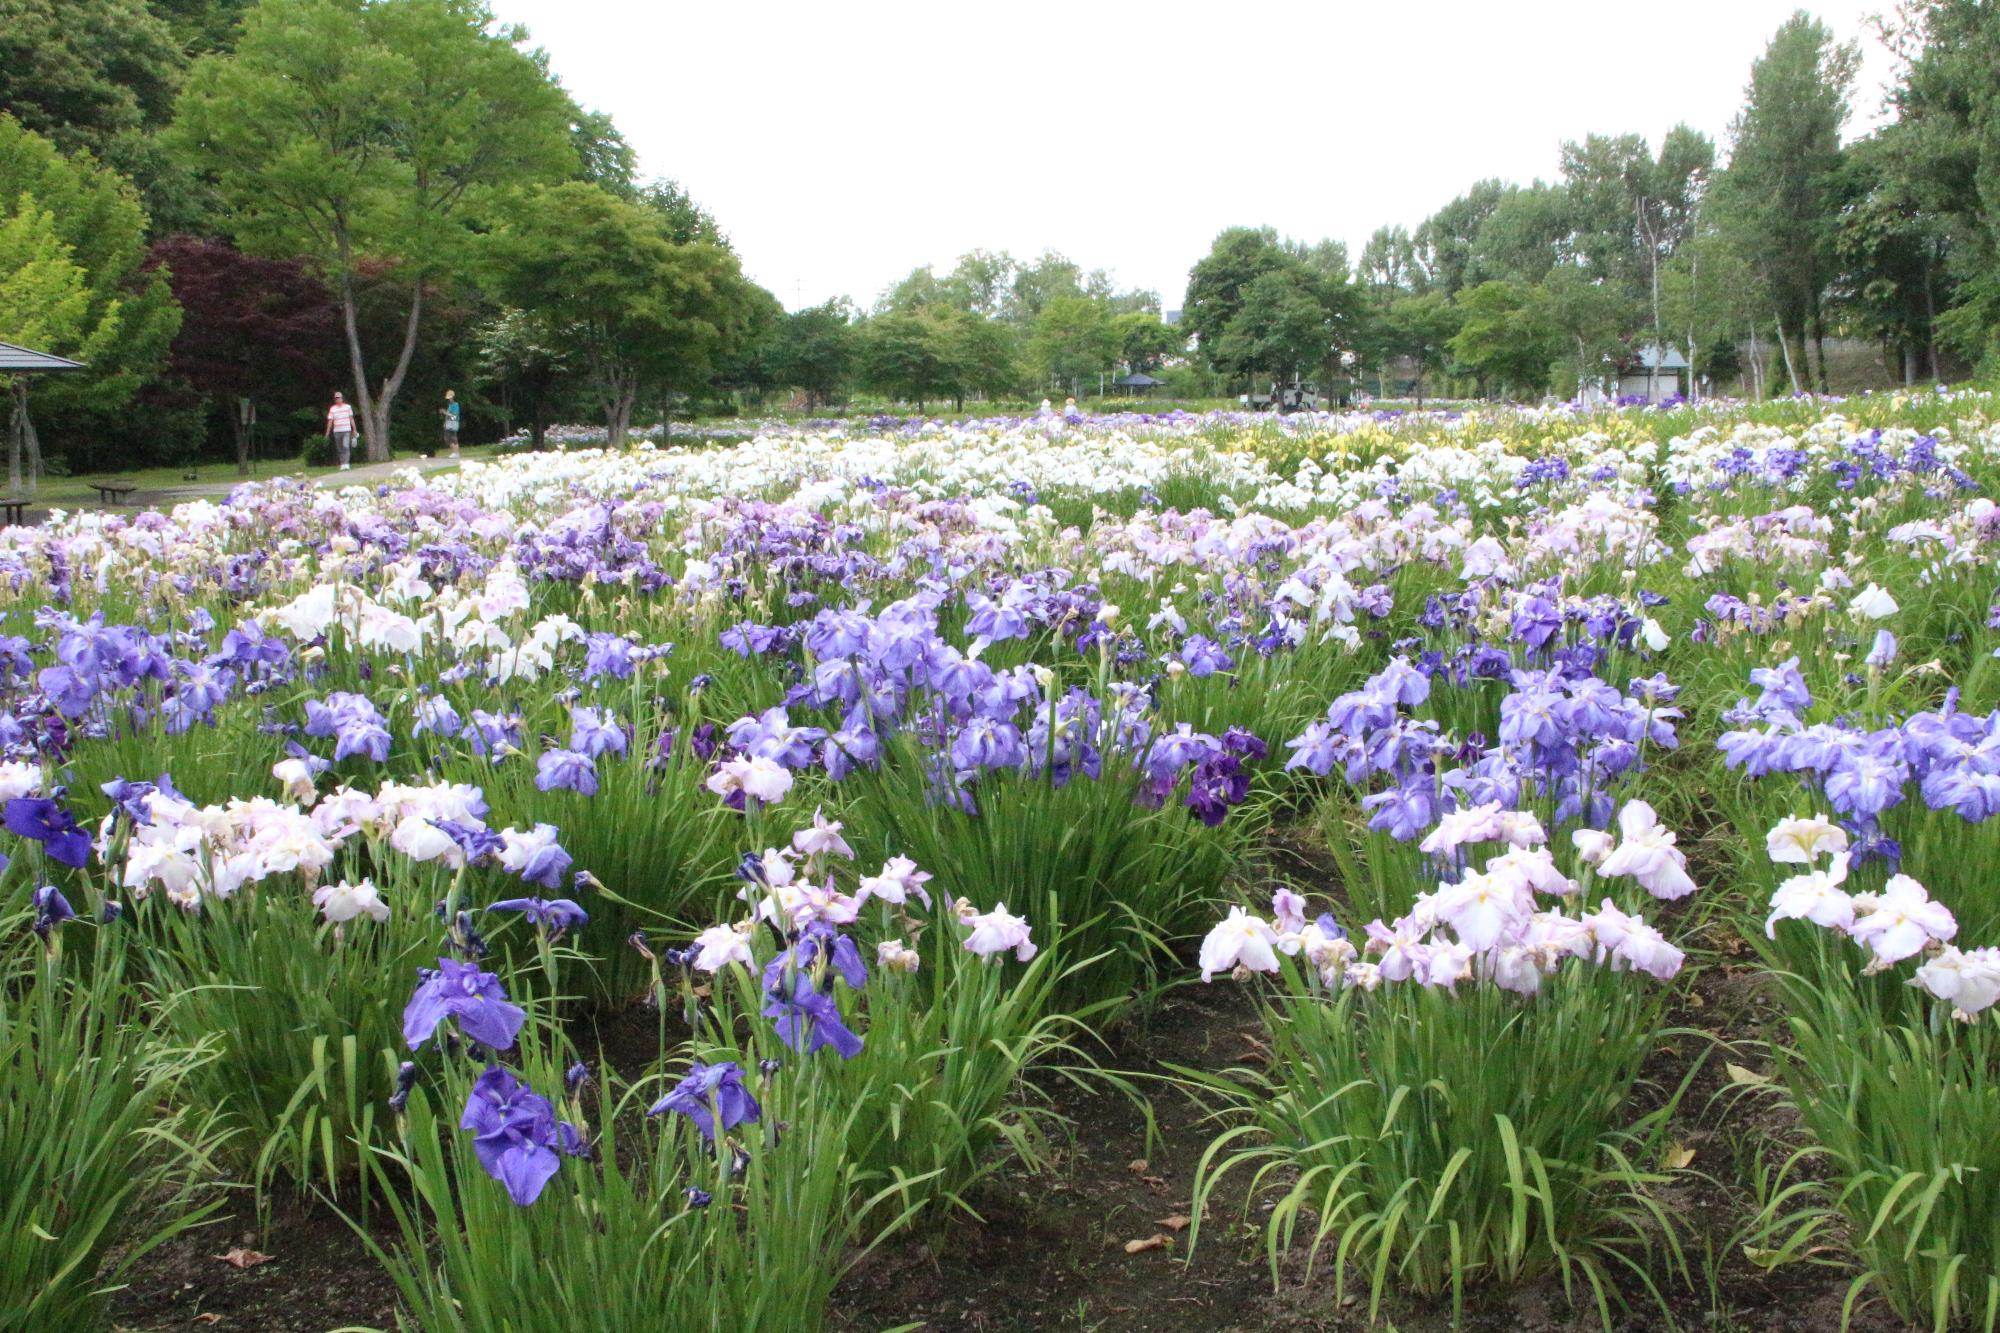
[(1785, 346), (1819, 344), (618, 418), (1659, 338), (1930, 323), (14, 441), (375, 405), (241, 434), (26, 438)]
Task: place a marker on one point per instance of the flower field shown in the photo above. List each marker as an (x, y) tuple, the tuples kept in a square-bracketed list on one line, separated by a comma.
[(714, 885)]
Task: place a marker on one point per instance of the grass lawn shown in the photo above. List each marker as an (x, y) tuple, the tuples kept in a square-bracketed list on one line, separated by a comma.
[(74, 492)]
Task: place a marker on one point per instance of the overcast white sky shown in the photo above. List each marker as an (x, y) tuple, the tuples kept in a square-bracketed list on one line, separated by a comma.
[(841, 145)]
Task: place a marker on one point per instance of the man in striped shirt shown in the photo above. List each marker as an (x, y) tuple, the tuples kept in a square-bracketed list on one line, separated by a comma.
[(340, 429)]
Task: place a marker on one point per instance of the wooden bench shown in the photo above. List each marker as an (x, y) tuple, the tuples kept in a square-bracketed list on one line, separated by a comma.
[(14, 508), (117, 491)]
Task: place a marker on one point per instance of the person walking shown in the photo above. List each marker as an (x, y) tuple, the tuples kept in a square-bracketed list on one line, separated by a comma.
[(340, 429), (450, 414)]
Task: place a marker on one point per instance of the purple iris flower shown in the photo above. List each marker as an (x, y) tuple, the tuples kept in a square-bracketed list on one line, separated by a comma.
[(544, 863), (43, 820), (1865, 785), (608, 655), (1783, 687), (51, 909), (555, 915), (806, 1019), (462, 991), (130, 798), (1316, 750), (566, 770), (69, 691), (714, 1097), (436, 714), (595, 732), (1204, 657), (516, 1134), (985, 743), (1248, 744), (1219, 783), (819, 941), (479, 843)]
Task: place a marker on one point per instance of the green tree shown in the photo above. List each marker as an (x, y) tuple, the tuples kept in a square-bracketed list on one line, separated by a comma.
[(1073, 338), (1894, 256), (92, 76), (1941, 159), (1037, 283), (979, 283), (1389, 263), (381, 132), (1776, 196), (1633, 210), (203, 25), (45, 304), (914, 355), (1530, 230), (130, 315), (1145, 340), (1586, 320), (988, 355), (604, 156), (530, 365), (1444, 242), (1504, 338), (1283, 327), (1419, 326), (814, 350), (642, 314), (916, 290), (684, 221), (1236, 258)]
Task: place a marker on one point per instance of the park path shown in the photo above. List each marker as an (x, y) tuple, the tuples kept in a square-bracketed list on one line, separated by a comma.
[(166, 497), (361, 474)]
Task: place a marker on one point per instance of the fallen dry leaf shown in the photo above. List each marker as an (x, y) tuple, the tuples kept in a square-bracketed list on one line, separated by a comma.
[(1738, 1074), (210, 1318), (1678, 1156), (1178, 1222), (1159, 1240), (1137, 1166), (240, 1257)]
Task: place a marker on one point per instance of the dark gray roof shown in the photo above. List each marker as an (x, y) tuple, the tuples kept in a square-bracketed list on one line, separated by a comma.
[(21, 360), (1649, 358), (1135, 381)]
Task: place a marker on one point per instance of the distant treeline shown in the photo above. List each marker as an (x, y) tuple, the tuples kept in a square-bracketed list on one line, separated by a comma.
[(218, 201)]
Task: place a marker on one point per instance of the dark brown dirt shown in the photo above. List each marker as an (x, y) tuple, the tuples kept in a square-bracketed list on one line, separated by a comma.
[(320, 1276)]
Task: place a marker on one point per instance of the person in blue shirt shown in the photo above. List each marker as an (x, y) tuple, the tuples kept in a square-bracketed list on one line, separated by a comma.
[(450, 414)]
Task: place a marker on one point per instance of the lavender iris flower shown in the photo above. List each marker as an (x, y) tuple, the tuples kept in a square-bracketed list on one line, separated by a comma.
[(462, 991), (596, 732), (713, 1096), (555, 915), (566, 770), (517, 1136)]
